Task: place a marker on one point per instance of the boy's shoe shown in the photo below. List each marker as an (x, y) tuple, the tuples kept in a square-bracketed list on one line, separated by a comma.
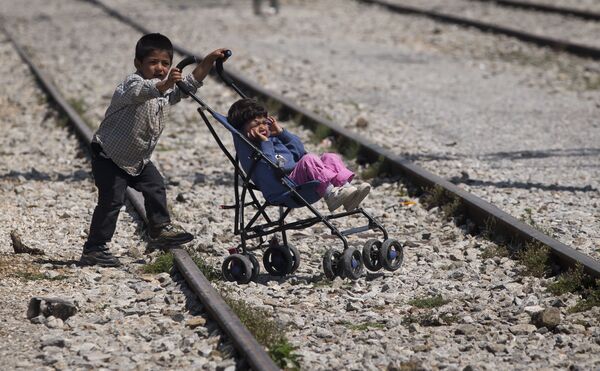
[(98, 255), (170, 234), (362, 190), (338, 196)]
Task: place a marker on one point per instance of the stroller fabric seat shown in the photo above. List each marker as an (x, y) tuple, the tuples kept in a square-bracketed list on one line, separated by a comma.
[(278, 194)]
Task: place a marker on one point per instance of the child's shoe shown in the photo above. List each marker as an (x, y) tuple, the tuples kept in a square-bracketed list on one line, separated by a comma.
[(338, 196), (170, 234), (362, 190), (98, 255)]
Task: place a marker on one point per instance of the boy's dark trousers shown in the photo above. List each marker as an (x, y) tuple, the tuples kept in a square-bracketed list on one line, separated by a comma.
[(112, 182)]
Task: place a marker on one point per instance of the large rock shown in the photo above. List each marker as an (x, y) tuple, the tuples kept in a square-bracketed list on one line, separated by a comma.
[(55, 307), (549, 318)]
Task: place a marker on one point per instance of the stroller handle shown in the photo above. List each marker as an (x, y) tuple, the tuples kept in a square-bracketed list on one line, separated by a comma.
[(186, 62)]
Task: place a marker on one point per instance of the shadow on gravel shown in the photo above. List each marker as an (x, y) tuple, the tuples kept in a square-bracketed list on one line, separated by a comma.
[(61, 263), (523, 185), (33, 174), (524, 155)]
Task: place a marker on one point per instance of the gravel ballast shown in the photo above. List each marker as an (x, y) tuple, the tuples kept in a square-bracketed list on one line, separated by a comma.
[(481, 309)]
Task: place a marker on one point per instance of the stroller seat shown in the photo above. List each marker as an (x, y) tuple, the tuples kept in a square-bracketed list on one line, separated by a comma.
[(284, 196)]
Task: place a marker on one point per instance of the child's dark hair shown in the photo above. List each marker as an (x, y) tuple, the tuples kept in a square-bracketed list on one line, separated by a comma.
[(150, 42), (245, 110)]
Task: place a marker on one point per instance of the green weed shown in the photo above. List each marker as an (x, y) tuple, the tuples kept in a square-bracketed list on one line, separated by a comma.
[(363, 326), (267, 332), (211, 273), (375, 169), (321, 132), (429, 302), (570, 281), (494, 251), (162, 264), (535, 257)]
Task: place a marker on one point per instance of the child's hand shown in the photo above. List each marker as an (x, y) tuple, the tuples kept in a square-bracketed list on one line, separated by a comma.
[(255, 135), (274, 126), (204, 67), (217, 54), (168, 83)]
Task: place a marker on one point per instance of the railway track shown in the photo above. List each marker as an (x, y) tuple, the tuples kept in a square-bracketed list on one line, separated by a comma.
[(253, 355), (356, 299), (477, 210), (548, 8), (454, 16)]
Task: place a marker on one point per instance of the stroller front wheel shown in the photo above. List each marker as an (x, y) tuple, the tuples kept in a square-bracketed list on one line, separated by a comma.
[(352, 263), (238, 268), (370, 255), (391, 254)]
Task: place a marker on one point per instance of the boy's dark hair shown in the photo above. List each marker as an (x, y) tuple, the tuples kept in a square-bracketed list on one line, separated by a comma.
[(150, 42), (245, 110)]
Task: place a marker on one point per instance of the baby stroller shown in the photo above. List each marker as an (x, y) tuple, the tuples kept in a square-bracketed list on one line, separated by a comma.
[(282, 258)]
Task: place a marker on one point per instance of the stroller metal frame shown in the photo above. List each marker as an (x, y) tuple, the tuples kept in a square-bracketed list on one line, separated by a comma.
[(245, 196)]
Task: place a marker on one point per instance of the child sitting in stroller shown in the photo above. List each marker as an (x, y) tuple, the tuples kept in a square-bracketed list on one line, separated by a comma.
[(285, 149)]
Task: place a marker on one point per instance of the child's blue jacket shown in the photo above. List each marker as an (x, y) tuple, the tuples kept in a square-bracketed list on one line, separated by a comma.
[(286, 149)]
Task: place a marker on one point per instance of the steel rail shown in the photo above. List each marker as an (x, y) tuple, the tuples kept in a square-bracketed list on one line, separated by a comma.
[(252, 352), (557, 44), (477, 210), (584, 14)]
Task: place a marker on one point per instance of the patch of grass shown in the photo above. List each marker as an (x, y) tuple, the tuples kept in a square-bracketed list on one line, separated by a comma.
[(448, 203), (363, 326), (321, 132), (37, 276), (349, 149), (162, 264), (283, 355), (267, 332), (211, 273), (429, 302), (375, 169), (406, 366), (535, 257), (78, 105), (590, 299), (570, 281), (494, 251), (429, 319)]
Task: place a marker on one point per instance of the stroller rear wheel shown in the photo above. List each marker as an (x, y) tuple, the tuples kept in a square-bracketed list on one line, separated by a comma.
[(238, 268), (331, 263), (278, 260), (255, 266), (352, 263), (391, 254), (295, 258), (370, 255)]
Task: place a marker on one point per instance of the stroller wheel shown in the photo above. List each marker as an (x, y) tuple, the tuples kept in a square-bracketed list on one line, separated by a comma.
[(352, 263), (278, 260), (370, 255), (331, 263), (295, 258), (391, 254), (255, 266), (238, 268)]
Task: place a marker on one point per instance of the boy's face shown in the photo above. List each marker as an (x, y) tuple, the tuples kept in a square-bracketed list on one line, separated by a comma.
[(155, 65), (258, 125)]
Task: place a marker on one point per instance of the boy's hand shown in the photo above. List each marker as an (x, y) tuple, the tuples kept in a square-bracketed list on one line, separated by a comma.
[(255, 135), (204, 67), (168, 83), (217, 54), (274, 126)]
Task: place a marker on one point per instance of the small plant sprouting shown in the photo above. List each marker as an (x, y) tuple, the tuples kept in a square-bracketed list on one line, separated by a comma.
[(162, 264), (429, 302), (571, 281), (321, 132), (375, 169), (267, 332), (535, 257)]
